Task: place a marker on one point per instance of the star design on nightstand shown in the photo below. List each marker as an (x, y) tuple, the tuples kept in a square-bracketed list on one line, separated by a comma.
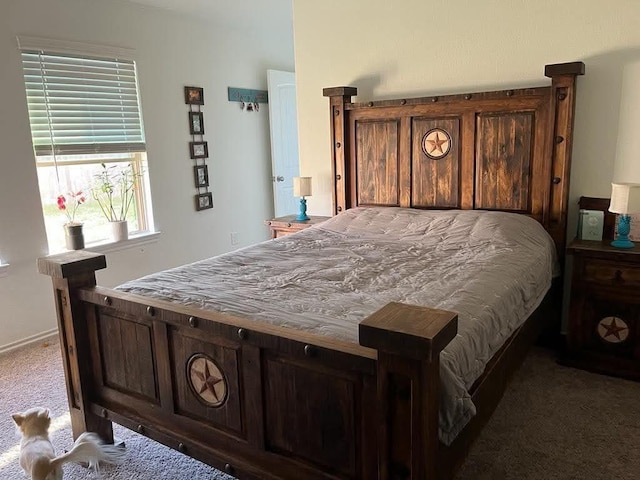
[(436, 143), (207, 380), (613, 329)]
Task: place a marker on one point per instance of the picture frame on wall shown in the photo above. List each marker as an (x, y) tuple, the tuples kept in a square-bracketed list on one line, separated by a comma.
[(199, 150), (194, 95), (204, 201), (201, 175), (196, 123)]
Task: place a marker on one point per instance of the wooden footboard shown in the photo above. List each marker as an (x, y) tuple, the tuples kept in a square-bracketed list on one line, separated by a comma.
[(255, 400)]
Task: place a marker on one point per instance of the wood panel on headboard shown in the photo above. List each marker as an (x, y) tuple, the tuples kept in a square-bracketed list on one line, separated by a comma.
[(504, 150)]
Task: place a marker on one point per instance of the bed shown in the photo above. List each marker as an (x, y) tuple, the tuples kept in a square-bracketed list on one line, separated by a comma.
[(468, 192)]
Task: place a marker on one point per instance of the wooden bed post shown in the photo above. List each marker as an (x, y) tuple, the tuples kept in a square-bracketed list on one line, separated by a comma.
[(338, 97), (563, 99), (69, 272), (409, 340)]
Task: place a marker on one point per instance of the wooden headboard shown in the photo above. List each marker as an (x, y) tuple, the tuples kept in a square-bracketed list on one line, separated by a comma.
[(508, 150)]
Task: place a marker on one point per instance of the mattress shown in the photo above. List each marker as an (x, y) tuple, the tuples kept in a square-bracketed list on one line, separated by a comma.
[(492, 268)]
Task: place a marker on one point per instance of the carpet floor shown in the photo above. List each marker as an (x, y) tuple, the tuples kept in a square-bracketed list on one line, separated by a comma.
[(554, 423)]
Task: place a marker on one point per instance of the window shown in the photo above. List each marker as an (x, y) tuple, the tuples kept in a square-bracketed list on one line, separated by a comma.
[(85, 113)]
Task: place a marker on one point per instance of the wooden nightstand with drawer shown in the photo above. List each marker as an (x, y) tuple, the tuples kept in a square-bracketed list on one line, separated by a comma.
[(604, 314), (282, 226)]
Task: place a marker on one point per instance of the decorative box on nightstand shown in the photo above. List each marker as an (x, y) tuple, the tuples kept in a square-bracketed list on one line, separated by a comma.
[(604, 318), (282, 226)]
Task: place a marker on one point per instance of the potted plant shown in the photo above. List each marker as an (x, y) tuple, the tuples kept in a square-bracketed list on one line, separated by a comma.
[(73, 234), (114, 190)]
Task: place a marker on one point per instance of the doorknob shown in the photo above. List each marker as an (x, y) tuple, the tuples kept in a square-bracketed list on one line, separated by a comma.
[(279, 178)]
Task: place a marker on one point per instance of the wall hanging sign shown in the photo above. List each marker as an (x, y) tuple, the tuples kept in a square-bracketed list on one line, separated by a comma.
[(249, 100), (198, 148)]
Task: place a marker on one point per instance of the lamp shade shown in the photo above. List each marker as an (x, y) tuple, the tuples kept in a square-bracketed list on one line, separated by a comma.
[(625, 198), (301, 186)]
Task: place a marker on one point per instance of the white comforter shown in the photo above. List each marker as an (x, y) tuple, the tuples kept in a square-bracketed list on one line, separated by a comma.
[(492, 268)]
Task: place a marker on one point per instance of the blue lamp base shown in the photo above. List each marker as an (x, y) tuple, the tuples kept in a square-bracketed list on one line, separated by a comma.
[(620, 243), (302, 216), (624, 227)]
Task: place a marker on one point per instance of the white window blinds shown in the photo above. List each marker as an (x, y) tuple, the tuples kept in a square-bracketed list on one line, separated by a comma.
[(82, 105)]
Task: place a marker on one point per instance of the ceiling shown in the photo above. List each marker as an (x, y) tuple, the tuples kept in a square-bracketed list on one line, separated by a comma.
[(258, 14)]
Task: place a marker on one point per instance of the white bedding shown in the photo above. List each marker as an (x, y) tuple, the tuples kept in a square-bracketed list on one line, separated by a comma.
[(492, 268)]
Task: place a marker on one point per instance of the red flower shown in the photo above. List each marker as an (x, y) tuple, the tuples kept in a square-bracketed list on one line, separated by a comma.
[(70, 203)]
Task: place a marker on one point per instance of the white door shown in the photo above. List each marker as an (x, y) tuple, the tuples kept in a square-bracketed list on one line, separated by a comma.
[(283, 119)]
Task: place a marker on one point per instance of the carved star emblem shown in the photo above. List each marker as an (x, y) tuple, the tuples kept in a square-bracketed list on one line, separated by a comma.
[(207, 380), (436, 143), (616, 328)]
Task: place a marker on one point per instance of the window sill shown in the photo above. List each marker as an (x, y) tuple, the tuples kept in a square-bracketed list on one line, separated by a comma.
[(131, 242), (4, 269)]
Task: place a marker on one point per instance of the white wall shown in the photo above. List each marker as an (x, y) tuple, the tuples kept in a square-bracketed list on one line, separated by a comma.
[(171, 51), (417, 48)]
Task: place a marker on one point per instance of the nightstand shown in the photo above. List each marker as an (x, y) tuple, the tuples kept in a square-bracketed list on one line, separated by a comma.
[(604, 314), (282, 226)]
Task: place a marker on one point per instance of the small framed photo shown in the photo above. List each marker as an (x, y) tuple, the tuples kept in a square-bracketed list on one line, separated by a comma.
[(204, 201), (199, 149), (201, 175), (196, 123), (194, 96)]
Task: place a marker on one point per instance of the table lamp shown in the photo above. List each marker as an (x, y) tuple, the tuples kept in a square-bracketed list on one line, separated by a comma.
[(625, 199), (302, 188)]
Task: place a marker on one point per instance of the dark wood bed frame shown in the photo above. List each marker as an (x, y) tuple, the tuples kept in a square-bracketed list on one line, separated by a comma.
[(292, 405)]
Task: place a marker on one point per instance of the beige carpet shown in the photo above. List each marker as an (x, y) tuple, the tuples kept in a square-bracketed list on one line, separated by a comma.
[(554, 423)]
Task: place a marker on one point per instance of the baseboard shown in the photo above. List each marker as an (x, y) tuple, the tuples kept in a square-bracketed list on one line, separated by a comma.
[(26, 341)]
